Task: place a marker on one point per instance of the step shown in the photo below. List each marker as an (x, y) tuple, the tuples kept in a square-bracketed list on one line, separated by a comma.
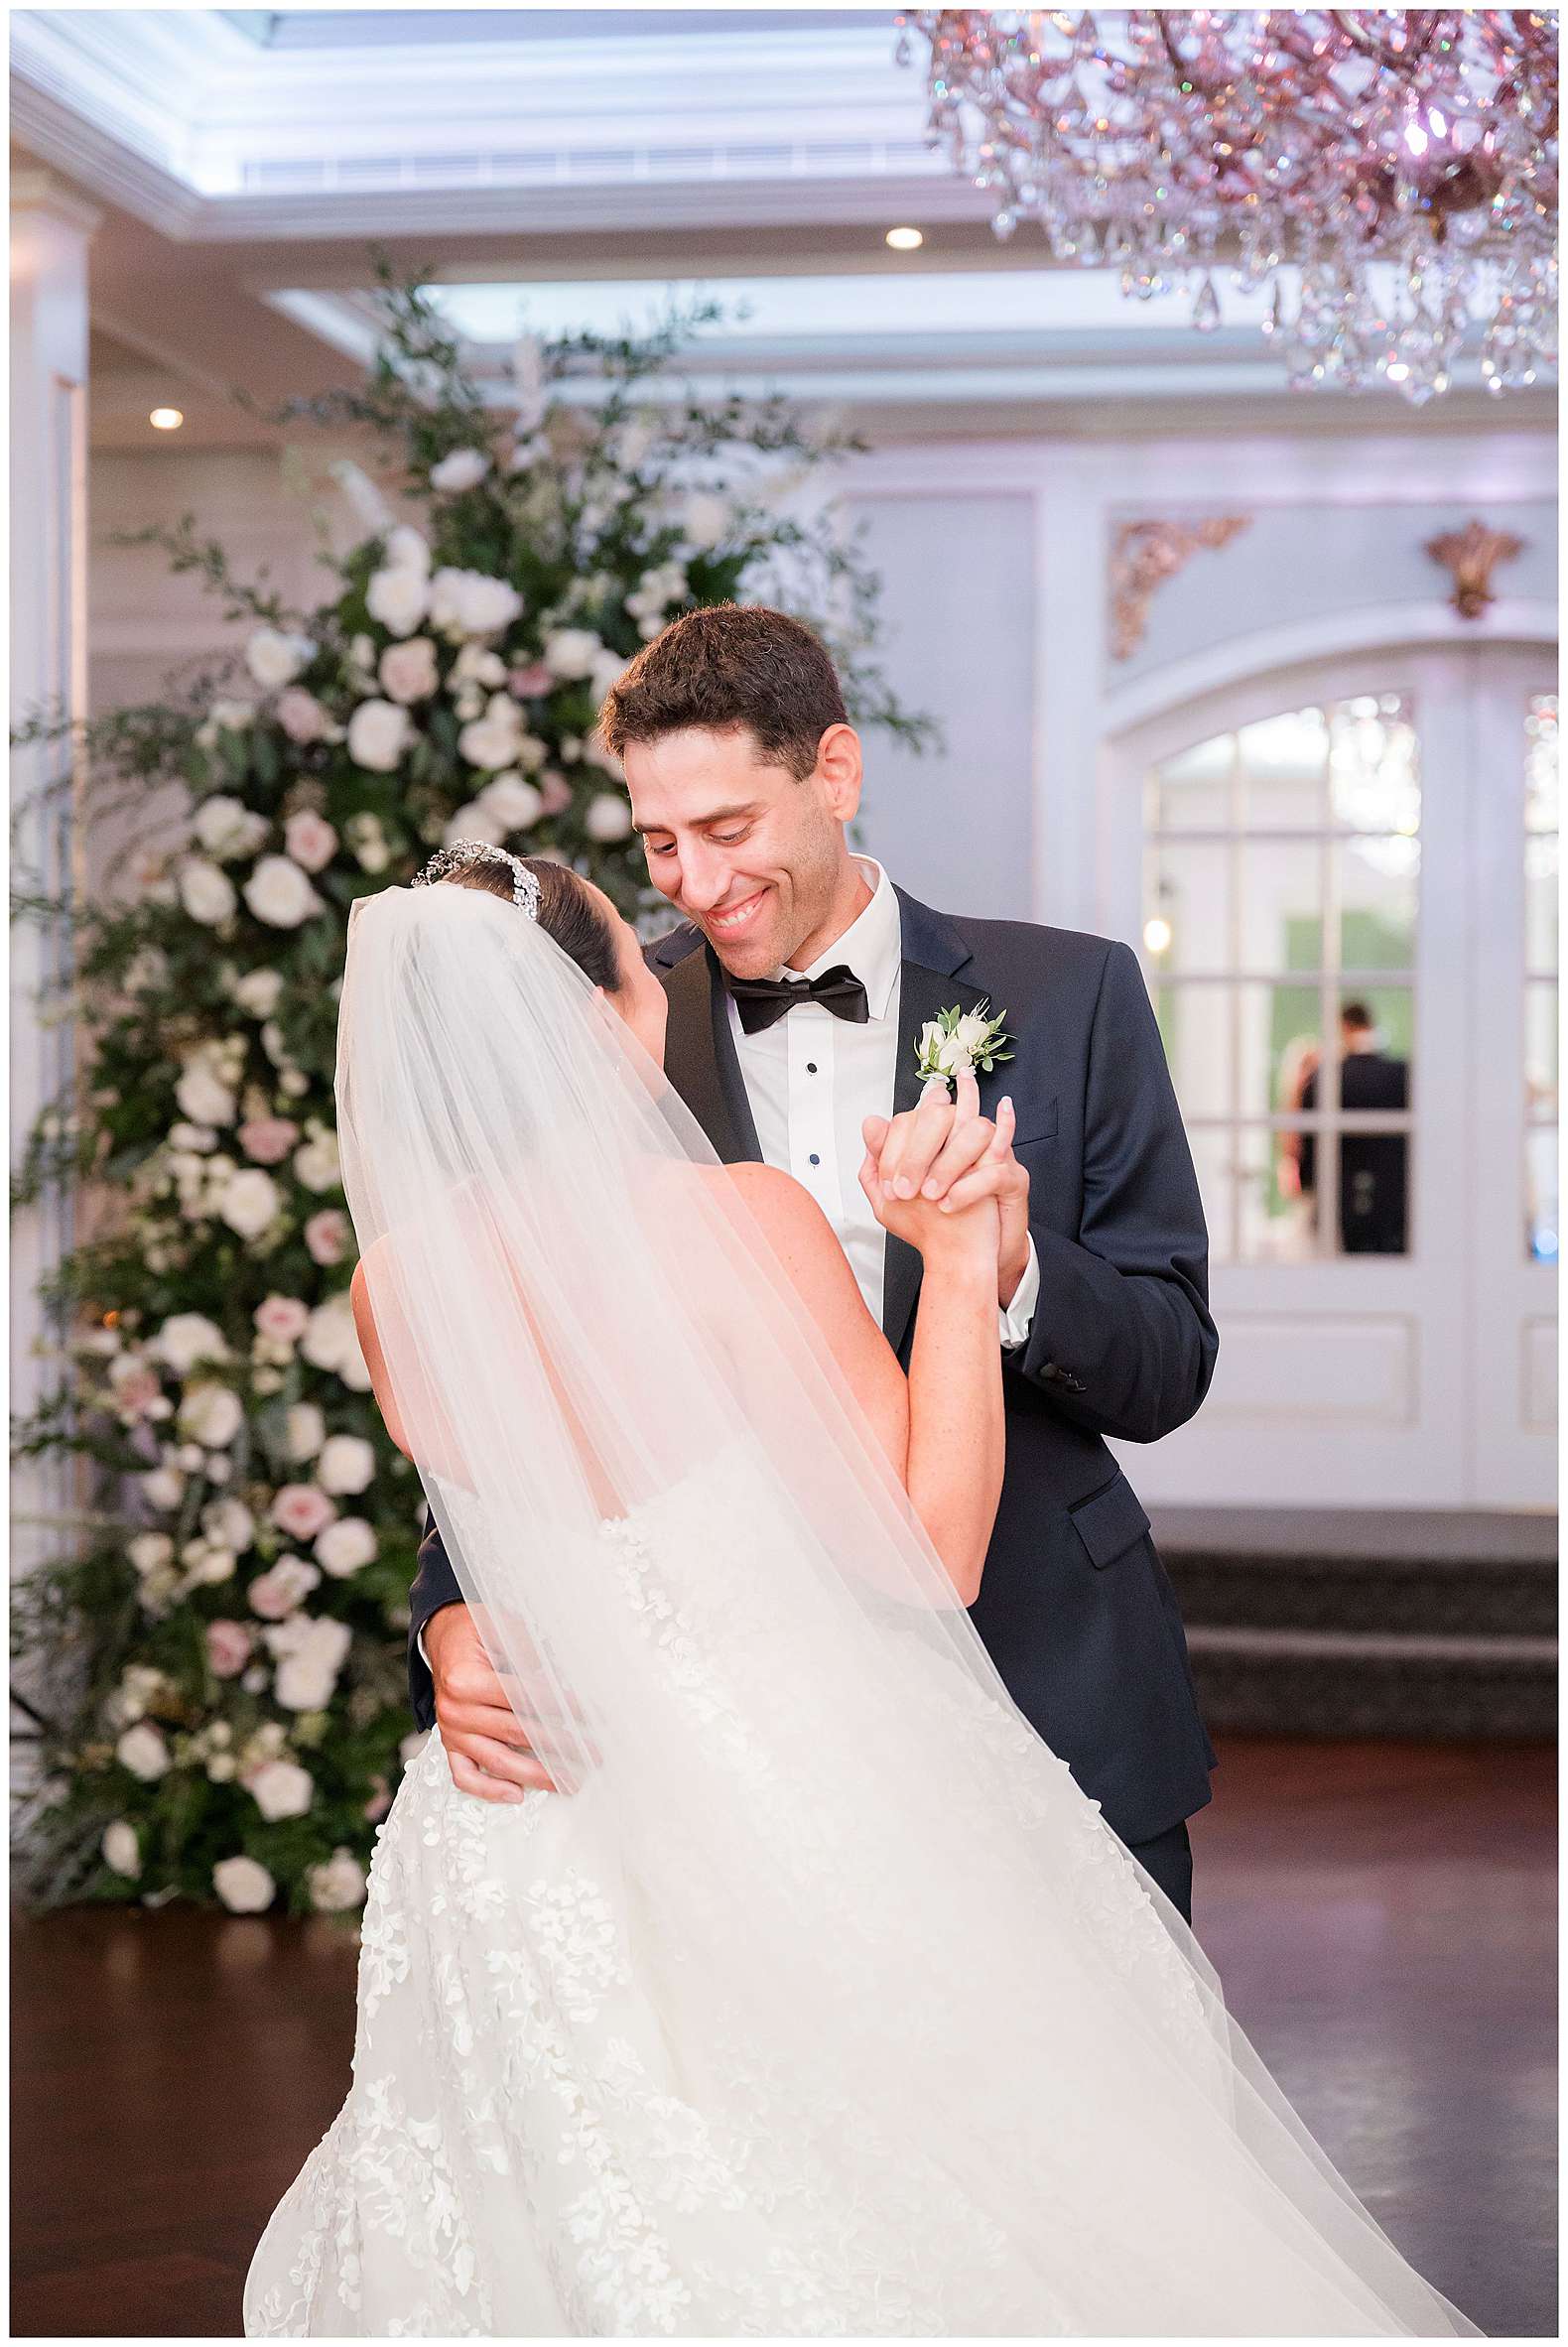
[(1336, 1683), (1433, 1595)]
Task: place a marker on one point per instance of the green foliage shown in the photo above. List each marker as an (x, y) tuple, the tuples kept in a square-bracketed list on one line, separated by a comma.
[(206, 1632)]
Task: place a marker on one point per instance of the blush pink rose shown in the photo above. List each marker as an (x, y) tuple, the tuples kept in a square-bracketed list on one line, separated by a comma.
[(283, 1318), (301, 1510), (268, 1139), (229, 1648), (310, 840), (532, 684), (327, 1236), (555, 791), (301, 716), (380, 1800)]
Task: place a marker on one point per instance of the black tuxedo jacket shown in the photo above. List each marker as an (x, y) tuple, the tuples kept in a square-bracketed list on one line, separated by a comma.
[(1075, 1606)]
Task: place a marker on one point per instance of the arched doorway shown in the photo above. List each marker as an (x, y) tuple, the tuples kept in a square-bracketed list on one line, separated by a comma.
[(1344, 877)]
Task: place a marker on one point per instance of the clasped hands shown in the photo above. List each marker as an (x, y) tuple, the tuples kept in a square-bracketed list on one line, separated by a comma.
[(941, 1154), (944, 1153)]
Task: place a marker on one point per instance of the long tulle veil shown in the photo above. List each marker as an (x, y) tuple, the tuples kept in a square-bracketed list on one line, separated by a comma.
[(872, 1907)]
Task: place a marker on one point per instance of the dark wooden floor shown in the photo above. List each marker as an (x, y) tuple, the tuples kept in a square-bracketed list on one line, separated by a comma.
[(1382, 1917)]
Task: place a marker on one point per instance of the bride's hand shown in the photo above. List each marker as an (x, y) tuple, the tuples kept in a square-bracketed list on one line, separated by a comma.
[(935, 1228)]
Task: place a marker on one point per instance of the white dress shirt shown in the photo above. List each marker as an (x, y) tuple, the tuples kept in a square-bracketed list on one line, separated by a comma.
[(812, 1078)]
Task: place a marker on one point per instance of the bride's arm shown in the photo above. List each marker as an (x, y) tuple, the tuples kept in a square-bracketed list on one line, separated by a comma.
[(942, 1426)]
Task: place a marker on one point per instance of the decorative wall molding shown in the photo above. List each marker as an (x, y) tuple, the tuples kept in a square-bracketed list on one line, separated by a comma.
[(1375, 628), (1470, 556), (1145, 556)]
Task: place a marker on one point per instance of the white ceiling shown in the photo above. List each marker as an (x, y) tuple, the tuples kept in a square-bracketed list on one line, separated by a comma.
[(566, 165)]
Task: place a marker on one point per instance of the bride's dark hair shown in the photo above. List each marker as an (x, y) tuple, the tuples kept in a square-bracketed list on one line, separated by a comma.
[(568, 910)]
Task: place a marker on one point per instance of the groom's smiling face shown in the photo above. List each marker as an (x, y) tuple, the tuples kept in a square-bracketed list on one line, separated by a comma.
[(755, 857)]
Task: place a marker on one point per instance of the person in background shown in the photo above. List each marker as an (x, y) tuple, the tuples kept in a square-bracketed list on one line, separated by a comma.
[(1374, 1166)]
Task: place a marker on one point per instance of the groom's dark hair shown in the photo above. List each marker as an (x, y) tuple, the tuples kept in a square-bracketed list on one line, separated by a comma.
[(727, 667)]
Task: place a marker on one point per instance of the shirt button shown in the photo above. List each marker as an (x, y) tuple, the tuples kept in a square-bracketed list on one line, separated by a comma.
[(816, 1160), (810, 1067)]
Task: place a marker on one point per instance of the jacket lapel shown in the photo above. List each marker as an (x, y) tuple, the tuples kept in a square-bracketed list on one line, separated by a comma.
[(699, 1057), (933, 953)]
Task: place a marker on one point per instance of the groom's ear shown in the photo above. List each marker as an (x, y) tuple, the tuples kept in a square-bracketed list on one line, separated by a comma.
[(839, 769)]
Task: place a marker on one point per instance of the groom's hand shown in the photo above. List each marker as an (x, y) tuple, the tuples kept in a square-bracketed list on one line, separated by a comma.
[(486, 1744), (946, 1151)]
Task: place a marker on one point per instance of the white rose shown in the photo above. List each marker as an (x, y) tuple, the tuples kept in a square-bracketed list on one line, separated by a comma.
[(475, 822), (347, 1463), (310, 840), (379, 732), (258, 991), (606, 671), (307, 1431), (515, 804), (231, 1523), (249, 1202), (122, 1849), (368, 842), (150, 1553), (318, 1164), (407, 550), (140, 1685), (231, 717), (143, 1751), (162, 1486), (275, 659), (462, 469), (408, 671), (338, 1884), (187, 1338), (369, 505), (212, 1415), (469, 603), (608, 818), (943, 1051), (705, 518), (492, 741), (279, 893), (226, 828), (206, 894), (346, 1545), (399, 597), (282, 1789), (331, 1341), (204, 1097), (480, 664), (571, 651), (311, 1653), (243, 1884)]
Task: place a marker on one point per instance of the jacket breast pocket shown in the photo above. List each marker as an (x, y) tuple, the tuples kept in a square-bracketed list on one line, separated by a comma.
[(1110, 1522), (1037, 1125)]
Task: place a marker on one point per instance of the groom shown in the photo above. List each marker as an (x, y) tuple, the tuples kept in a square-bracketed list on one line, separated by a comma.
[(798, 986)]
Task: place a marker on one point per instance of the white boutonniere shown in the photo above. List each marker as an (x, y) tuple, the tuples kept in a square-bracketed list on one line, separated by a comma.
[(957, 1042)]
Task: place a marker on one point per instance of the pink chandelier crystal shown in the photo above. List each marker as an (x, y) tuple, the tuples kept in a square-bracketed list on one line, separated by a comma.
[(1387, 174)]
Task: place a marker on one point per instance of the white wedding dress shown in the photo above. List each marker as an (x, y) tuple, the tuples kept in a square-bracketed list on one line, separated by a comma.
[(822, 2002)]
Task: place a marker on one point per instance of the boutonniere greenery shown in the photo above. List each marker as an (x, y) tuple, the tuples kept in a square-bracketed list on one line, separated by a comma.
[(957, 1042)]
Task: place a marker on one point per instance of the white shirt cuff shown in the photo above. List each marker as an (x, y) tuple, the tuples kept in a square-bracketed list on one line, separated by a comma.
[(1016, 1320), (419, 1640)]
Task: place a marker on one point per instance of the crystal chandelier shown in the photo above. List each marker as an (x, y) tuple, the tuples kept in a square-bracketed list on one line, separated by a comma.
[(1384, 174)]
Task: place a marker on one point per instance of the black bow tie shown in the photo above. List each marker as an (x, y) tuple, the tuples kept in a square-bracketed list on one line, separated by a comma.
[(761, 1000)]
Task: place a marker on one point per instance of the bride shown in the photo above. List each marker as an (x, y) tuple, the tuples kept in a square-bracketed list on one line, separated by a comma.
[(817, 2000)]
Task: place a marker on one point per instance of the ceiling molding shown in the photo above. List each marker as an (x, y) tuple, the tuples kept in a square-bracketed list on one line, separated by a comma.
[(184, 121)]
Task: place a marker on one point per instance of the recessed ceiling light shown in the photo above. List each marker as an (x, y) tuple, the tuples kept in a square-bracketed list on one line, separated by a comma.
[(167, 418), (1157, 935), (905, 240)]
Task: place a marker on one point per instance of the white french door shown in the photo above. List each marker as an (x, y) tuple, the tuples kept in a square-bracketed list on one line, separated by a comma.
[(1347, 907)]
